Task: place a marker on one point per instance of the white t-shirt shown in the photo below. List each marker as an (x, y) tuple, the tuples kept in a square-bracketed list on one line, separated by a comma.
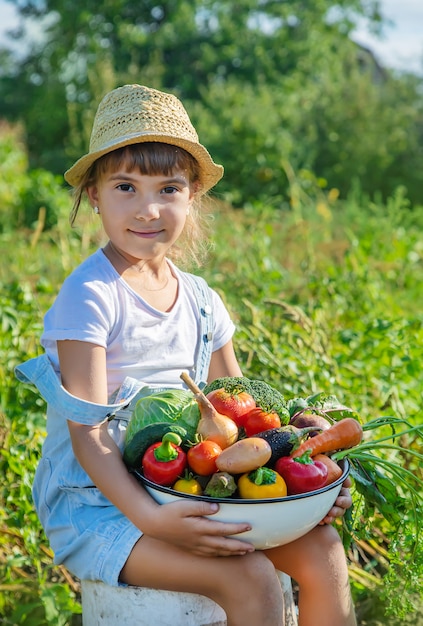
[(95, 304)]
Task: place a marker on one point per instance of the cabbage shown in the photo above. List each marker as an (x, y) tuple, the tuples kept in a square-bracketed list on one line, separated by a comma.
[(169, 405)]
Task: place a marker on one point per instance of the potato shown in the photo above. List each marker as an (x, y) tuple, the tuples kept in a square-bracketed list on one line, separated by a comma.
[(243, 456)]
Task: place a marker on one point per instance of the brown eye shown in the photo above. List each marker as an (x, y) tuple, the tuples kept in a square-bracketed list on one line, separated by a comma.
[(125, 187)]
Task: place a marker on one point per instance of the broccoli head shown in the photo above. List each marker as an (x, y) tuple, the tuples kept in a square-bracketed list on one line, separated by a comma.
[(266, 397)]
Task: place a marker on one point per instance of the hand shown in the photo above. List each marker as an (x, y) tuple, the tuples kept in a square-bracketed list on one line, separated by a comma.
[(342, 503), (183, 524)]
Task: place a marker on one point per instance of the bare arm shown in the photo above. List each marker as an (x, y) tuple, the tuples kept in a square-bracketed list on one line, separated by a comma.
[(224, 363), (83, 369)]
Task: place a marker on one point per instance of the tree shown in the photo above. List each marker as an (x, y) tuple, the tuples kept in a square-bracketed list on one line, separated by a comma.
[(281, 79)]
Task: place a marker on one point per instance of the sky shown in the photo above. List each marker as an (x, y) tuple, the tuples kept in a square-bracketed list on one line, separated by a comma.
[(401, 46)]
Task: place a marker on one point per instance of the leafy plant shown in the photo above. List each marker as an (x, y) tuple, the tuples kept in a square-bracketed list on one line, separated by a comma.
[(27, 196), (33, 591)]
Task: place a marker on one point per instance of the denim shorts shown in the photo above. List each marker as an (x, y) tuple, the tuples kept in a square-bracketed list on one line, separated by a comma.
[(87, 533)]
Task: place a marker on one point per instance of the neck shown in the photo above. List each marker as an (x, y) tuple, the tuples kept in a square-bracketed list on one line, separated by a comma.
[(149, 278)]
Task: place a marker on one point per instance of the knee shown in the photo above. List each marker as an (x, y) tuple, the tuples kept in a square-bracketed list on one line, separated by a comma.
[(251, 584), (260, 567), (261, 582), (325, 555), (323, 540), (326, 539), (256, 575)]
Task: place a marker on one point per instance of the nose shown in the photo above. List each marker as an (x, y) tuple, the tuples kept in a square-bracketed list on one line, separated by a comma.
[(147, 210)]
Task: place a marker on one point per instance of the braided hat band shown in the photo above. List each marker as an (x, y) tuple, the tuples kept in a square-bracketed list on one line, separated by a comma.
[(136, 114)]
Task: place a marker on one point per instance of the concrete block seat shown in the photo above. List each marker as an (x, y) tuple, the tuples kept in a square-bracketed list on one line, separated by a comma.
[(103, 605)]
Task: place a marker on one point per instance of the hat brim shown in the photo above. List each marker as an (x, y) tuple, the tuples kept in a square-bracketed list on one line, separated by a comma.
[(210, 172)]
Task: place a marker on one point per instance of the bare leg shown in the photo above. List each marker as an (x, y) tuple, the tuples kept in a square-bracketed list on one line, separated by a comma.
[(246, 587), (317, 562)]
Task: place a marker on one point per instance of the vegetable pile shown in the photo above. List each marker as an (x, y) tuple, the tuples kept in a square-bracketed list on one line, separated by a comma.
[(239, 448)]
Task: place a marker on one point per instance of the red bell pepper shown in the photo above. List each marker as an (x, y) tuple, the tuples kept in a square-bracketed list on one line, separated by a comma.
[(301, 474), (164, 461)]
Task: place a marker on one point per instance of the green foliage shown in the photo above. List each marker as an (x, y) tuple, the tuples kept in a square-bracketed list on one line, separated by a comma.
[(258, 139), (327, 307), (44, 192), (32, 591), (26, 196), (13, 182)]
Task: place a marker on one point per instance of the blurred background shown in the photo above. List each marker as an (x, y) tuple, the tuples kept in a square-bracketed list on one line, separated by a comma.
[(330, 88)]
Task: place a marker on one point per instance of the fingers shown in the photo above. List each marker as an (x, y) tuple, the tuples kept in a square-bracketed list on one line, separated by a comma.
[(202, 509), (335, 512), (344, 500), (202, 534), (342, 503), (225, 546), (215, 540), (199, 508)]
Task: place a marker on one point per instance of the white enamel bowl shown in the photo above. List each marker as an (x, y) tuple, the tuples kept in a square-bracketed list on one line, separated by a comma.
[(274, 521)]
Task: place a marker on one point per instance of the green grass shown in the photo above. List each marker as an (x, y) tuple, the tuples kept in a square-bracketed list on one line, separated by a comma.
[(326, 298)]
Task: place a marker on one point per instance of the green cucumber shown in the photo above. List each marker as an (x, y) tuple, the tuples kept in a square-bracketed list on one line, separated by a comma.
[(152, 433)]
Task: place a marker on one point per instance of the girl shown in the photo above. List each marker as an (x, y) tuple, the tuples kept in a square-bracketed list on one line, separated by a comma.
[(129, 315)]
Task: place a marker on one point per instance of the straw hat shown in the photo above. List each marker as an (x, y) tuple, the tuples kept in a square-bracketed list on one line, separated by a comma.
[(136, 114)]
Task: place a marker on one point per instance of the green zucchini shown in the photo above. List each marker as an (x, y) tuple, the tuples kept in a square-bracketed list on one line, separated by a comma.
[(134, 450)]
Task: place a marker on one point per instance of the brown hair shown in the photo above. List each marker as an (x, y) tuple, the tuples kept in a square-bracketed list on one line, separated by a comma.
[(153, 158)]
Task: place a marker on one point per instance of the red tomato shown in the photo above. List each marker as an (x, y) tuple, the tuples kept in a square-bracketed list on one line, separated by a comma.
[(233, 405), (258, 420), (202, 457)]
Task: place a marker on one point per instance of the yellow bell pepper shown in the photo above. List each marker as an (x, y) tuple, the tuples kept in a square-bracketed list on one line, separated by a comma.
[(262, 483), (188, 484)]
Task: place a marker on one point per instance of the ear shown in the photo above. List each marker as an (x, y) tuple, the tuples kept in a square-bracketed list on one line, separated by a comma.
[(92, 193), (194, 189)]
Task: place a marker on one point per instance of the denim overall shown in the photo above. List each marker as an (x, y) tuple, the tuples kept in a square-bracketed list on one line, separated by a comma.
[(88, 534)]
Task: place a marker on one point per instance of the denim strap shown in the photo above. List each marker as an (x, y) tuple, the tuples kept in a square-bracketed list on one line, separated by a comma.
[(40, 372), (205, 347)]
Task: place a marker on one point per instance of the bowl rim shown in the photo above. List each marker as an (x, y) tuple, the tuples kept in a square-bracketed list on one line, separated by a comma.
[(344, 464)]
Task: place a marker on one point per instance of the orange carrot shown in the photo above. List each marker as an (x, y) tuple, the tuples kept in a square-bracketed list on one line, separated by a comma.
[(342, 435), (334, 471)]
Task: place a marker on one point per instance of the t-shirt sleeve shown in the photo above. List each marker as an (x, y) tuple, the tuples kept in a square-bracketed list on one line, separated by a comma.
[(224, 327), (81, 311)]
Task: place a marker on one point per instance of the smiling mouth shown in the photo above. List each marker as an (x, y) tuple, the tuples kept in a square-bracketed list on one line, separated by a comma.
[(145, 233)]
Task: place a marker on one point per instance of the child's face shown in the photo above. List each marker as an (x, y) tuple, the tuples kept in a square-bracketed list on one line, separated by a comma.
[(143, 215)]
